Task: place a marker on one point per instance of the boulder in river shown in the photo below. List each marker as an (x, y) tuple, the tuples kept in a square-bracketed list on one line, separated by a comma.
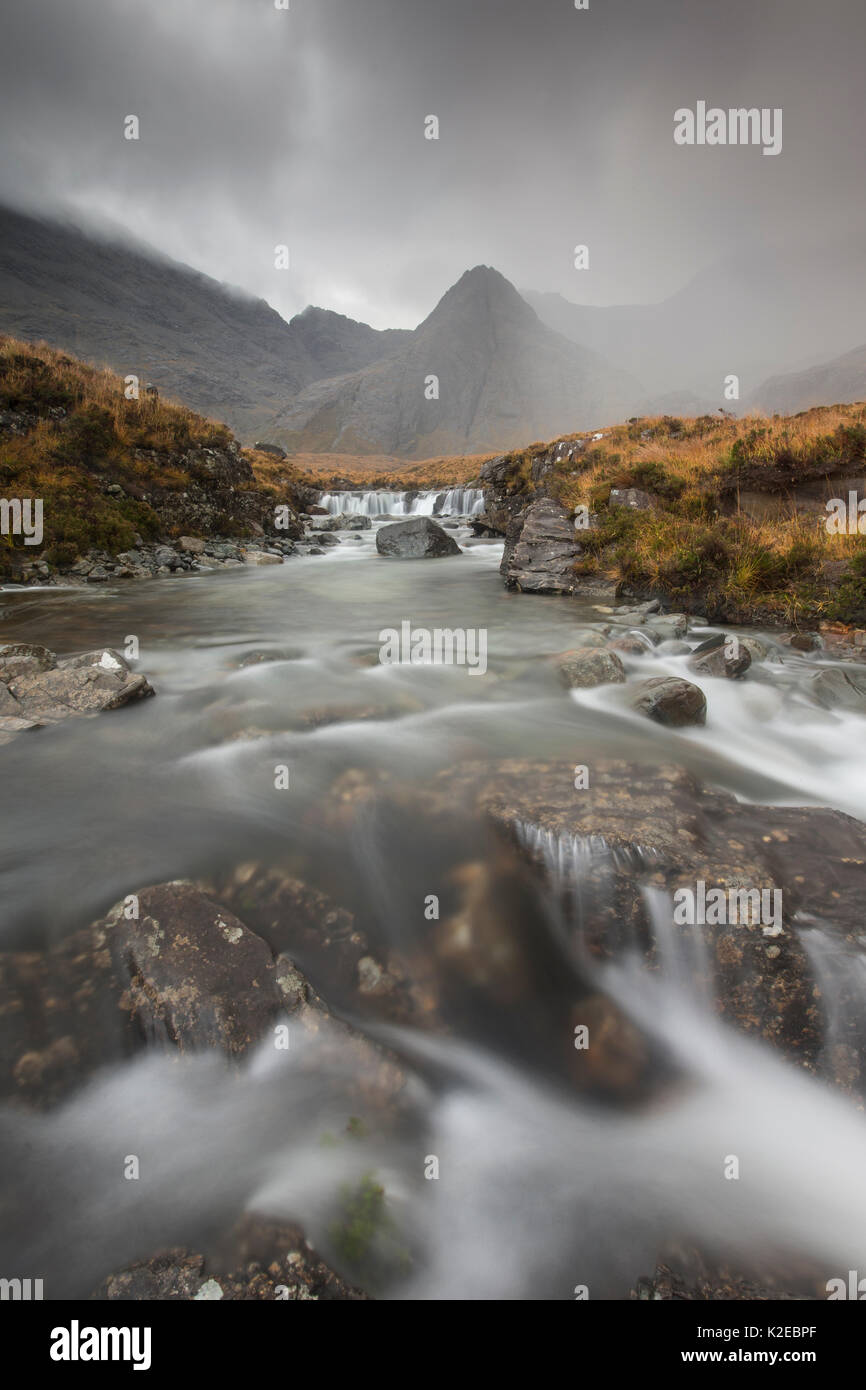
[(64, 691), (670, 701), (588, 666), (540, 550), (721, 656), (419, 538)]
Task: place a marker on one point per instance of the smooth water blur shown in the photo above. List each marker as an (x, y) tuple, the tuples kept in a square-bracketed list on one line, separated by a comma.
[(542, 1192)]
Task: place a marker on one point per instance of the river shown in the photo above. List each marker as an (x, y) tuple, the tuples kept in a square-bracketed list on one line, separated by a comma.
[(542, 1190)]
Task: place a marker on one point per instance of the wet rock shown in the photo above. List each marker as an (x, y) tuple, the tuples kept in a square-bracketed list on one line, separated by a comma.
[(634, 827), (10, 725), (633, 643), (670, 701), (633, 610), (165, 556), (191, 545), (671, 626), (89, 689), (757, 650), (195, 975), (322, 937), (805, 641), (419, 538), (589, 666), (262, 557), (691, 1278), (840, 687), (258, 1260), (24, 659), (540, 550), (721, 656), (185, 974), (9, 706), (353, 521), (105, 658)]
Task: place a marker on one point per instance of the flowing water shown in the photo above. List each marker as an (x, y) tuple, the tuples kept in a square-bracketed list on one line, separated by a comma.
[(541, 1189), (455, 501)]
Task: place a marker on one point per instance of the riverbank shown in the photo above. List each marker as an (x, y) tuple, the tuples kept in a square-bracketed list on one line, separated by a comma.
[(716, 516)]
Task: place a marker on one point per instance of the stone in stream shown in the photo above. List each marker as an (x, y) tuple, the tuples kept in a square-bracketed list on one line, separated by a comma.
[(589, 666), (540, 550), (86, 689), (637, 643), (721, 656), (839, 687), (670, 701), (419, 538)]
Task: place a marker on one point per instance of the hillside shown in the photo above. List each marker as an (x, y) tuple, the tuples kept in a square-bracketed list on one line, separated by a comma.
[(109, 470), (503, 379)]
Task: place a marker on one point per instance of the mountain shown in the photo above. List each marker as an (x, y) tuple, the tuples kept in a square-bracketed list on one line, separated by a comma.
[(754, 314), (832, 383), (338, 344), (123, 305), (504, 380)]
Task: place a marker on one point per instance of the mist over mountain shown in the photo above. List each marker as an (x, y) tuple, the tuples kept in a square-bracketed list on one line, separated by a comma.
[(504, 379), (124, 305), (830, 383), (483, 372), (754, 315)]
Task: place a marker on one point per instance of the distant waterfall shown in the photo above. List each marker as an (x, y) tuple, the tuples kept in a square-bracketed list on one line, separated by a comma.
[(456, 501)]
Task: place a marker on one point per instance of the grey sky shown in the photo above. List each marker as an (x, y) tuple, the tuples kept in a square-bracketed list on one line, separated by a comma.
[(261, 126)]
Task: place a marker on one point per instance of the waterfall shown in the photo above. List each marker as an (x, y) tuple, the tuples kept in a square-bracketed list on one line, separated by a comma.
[(455, 501)]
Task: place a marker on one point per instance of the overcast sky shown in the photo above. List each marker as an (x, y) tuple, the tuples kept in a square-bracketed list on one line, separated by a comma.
[(306, 127)]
